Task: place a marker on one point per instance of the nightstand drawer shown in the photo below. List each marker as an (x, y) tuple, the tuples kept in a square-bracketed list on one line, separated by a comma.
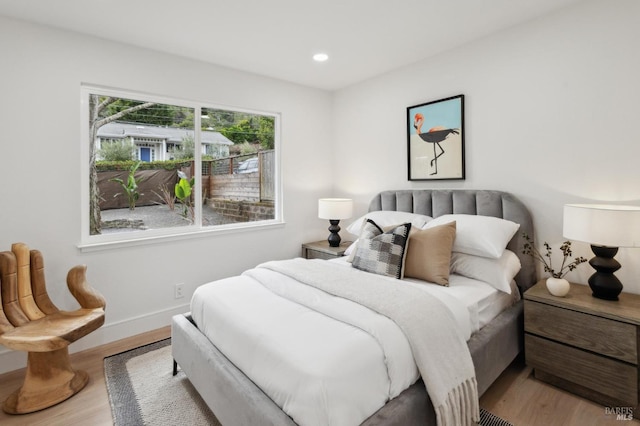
[(316, 254), (601, 335), (604, 376), (322, 250)]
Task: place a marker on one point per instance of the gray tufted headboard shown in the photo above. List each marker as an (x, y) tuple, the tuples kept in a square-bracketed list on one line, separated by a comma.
[(437, 202)]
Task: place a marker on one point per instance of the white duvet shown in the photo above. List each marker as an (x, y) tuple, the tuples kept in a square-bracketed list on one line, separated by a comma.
[(324, 360)]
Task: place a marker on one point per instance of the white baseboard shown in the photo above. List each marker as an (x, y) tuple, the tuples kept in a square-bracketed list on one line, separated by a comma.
[(110, 332)]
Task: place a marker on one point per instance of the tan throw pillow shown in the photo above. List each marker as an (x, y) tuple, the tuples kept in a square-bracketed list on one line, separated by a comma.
[(429, 253)]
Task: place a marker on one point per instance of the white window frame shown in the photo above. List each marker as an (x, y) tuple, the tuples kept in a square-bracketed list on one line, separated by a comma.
[(116, 240)]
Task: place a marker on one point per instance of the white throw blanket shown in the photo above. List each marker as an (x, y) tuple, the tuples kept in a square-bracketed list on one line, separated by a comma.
[(440, 352)]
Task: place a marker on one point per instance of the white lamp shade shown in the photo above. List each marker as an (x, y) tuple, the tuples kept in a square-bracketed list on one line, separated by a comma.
[(602, 224), (335, 208)]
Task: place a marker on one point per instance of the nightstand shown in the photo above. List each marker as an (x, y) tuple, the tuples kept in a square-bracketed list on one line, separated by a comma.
[(322, 250), (585, 345)]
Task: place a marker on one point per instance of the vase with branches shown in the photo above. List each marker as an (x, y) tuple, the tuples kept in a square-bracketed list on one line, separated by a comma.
[(556, 284), (545, 258)]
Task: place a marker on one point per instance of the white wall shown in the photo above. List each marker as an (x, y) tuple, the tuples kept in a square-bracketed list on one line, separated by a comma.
[(42, 70), (550, 115)]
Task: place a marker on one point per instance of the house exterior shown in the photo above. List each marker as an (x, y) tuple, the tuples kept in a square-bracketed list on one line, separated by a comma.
[(155, 143)]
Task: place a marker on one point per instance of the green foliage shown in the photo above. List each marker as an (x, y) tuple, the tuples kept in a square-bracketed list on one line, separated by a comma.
[(130, 187), (241, 127), (266, 132), (158, 114), (166, 196), (105, 166), (240, 132), (183, 191), (117, 151), (187, 151), (217, 118), (246, 148)]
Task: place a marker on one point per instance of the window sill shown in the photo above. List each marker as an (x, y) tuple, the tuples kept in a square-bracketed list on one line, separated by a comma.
[(149, 237)]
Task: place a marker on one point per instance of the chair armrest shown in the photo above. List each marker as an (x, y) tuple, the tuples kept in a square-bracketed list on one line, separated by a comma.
[(88, 297)]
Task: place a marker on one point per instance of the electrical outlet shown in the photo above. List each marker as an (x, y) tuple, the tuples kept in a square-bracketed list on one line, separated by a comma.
[(179, 291)]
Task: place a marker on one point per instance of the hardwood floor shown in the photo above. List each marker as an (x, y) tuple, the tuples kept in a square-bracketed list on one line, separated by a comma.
[(516, 396)]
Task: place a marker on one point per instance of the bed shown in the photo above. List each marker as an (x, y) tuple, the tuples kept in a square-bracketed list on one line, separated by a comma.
[(237, 400)]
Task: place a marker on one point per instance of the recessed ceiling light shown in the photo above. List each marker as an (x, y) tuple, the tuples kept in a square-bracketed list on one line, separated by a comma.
[(320, 57)]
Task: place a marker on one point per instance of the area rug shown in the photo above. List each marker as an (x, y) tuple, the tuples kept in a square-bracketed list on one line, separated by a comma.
[(143, 391), (489, 419)]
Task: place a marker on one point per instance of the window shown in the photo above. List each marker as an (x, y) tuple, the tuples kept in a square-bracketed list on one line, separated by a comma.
[(155, 167)]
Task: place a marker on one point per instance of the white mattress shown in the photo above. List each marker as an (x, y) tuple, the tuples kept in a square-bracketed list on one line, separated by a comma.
[(325, 360)]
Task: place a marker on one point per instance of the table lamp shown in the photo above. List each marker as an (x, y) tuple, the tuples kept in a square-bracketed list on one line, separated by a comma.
[(334, 209), (605, 227)]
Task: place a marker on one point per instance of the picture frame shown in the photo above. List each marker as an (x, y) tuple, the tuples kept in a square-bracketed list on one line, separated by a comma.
[(435, 140)]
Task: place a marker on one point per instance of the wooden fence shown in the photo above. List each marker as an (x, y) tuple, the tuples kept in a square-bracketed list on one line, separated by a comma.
[(151, 183), (267, 160), (223, 178), (239, 178)]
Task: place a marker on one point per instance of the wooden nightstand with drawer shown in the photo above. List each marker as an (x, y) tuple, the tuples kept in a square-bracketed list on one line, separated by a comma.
[(322, 250), (585, 345)]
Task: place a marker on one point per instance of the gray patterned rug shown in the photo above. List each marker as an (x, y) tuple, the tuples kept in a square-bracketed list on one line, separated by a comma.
[(143, 391), (488, 419)]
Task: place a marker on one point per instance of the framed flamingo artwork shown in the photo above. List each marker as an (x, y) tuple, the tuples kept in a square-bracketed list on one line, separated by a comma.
[(435, 139)]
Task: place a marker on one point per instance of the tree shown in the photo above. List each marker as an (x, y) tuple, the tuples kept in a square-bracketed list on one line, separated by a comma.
[(117, 151), (187, 151), (240, 132), (98, 117), (159, 115), (217, 118), (242, 127), (266, 131)]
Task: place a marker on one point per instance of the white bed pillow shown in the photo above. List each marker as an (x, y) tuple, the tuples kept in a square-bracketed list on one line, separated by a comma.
[(499, 273), (384, 218), (479, 235), (351, 250)]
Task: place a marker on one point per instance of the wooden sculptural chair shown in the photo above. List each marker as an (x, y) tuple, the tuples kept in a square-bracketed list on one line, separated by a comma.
[(30, 322)]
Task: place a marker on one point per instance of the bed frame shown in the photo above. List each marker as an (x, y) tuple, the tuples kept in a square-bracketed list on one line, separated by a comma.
[(236, 400)]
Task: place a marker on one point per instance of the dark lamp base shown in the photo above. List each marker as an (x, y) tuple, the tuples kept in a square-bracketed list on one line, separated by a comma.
[(604, 284), (334, 237)]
